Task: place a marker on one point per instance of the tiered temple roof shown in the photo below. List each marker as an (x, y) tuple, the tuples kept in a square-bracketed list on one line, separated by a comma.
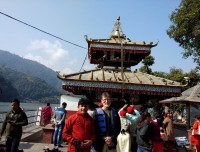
[(114, 57)]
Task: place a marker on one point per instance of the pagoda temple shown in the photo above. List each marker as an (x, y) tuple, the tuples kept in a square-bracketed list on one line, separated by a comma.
[(114, 58)]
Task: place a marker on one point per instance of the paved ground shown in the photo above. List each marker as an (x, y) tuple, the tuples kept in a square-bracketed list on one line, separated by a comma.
[(39, 147)]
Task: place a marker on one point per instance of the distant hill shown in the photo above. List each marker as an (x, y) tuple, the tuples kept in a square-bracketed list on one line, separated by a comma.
[(29, 67), (14, 84), (7, 91)]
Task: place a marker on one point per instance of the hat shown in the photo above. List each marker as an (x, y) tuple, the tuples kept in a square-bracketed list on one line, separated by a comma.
[(130, 109), (100, 104), (83, 101), (122, 113)]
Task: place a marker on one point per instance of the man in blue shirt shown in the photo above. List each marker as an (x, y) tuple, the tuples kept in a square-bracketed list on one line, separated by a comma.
[(59, 121)]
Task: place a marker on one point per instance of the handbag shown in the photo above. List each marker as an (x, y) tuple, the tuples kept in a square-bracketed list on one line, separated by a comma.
[(163, 134), (196, 131)]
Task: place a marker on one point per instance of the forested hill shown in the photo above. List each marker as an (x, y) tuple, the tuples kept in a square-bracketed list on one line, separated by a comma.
[(29, 67), (27, 88)]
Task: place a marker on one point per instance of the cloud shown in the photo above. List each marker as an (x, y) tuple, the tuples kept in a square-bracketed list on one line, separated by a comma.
[(51, 55)]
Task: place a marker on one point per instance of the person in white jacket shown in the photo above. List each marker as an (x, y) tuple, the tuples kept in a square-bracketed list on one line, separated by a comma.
[(124, 139), (133, 115)]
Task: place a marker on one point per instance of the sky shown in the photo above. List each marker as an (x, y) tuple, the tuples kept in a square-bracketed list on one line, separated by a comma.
[(141, 20)]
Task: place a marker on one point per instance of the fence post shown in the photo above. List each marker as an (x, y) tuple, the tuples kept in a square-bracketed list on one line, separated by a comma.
[(38, 117)]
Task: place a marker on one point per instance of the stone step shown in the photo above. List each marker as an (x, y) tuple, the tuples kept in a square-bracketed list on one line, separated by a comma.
[(32, 134)]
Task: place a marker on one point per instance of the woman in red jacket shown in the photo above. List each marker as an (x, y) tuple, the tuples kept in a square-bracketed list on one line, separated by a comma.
[(79, 129), (196, 138)]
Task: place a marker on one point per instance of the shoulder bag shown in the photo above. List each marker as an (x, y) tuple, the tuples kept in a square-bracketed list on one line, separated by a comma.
[(196, 131)]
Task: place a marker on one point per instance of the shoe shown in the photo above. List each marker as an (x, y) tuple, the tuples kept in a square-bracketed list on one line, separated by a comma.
[(60, 146), (55, 146)]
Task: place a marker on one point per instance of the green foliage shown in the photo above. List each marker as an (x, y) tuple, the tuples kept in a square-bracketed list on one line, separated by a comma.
[(25, 87), (194, 78), (7, 91), (178, 107), (145, 69), (147, 61), (185, 28), (176, 74), (160, 74)]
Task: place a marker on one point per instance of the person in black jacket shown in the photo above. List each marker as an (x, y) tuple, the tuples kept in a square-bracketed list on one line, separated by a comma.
[(12, 124), (143, 134)]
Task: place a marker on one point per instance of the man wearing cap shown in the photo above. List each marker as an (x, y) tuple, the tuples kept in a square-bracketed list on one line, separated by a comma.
[(107, 125), (79, 129)]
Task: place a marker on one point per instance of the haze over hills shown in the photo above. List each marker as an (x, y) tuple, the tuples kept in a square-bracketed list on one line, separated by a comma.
[(29, 67), (27, 80)]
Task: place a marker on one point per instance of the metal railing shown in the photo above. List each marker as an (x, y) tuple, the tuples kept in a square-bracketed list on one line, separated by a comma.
[(32, 116)]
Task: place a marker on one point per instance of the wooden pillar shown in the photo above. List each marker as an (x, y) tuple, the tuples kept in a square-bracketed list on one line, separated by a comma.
[(188, 125)]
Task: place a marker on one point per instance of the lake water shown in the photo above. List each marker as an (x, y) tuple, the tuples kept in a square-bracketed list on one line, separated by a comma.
[(5, 106)]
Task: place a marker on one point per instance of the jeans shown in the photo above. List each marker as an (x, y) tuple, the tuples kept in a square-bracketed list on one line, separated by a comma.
[(57, 135), (92, 148), (142, 150), (12, 144)]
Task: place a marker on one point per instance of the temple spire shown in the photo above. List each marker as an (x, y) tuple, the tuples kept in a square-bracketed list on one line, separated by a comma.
[(117, 30)]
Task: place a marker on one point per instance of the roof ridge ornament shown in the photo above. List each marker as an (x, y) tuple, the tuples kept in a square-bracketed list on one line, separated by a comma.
[(117, 29)]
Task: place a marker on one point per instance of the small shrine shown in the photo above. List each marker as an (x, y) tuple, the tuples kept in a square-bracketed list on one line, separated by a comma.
[(114, 58)]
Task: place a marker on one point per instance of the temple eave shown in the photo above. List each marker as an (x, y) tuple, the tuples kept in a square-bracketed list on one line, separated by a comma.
[(75, 89), (160, 90)]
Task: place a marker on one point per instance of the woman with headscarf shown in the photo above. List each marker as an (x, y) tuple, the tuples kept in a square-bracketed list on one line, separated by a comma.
[(169, 128), (124, 139)]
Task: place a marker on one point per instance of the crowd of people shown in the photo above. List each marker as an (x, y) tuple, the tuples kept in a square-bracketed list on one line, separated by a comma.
[(103, 129)]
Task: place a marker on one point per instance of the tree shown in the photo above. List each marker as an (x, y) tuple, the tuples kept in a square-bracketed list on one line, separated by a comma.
[(160, 74), (194, 78), (147, 61), (185, 28), (176, 74)]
